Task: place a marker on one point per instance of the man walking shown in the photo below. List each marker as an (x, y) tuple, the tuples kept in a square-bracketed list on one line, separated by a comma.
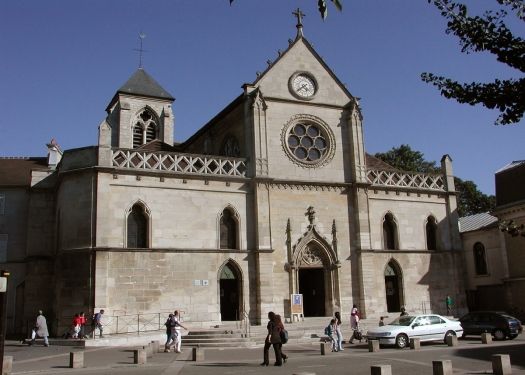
[(97, 323), (40, 329)]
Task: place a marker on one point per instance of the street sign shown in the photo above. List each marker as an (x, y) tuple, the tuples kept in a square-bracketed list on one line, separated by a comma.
[(3, 284)]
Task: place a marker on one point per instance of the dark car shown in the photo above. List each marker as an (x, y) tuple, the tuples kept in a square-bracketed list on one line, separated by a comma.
[(500, 324)]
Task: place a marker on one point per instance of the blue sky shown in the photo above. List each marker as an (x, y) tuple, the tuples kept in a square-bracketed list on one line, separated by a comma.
[(62, 61)]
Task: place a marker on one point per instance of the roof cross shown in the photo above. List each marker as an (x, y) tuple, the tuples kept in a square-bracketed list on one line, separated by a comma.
[(299, 25), (140, 50)]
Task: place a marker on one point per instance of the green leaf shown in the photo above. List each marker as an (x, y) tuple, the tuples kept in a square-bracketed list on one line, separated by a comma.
[(338, 5)]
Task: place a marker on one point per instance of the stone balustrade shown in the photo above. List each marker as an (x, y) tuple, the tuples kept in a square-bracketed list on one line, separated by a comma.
[(419, 181), (178, 162)]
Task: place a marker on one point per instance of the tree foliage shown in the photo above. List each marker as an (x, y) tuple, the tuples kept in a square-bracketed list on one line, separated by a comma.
[(406, 159), (470, 200), (486, 33)]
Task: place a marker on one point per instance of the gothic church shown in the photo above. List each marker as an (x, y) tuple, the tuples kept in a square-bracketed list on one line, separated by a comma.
[(274, 196)]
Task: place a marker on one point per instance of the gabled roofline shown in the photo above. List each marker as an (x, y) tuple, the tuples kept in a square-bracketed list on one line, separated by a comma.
[(317, 56)]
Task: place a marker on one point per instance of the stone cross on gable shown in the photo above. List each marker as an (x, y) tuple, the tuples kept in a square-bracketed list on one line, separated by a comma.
[(299, 25), (310, 212)]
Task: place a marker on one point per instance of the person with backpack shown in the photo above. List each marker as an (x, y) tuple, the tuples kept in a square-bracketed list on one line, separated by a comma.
[(169, 337), (331, 332), (283, 334), (273, 338)]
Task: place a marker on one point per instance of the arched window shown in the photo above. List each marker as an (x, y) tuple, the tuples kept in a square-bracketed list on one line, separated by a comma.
[(144, 129), (228, 230), (389, 232), (137, 227), (480, 260), (431, 229)]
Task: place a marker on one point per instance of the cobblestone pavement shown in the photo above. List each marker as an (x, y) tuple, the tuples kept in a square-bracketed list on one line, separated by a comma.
[(469, 357)]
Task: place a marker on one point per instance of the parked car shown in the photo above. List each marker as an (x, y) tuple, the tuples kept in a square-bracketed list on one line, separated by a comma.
[(500, 324), (426, 327)]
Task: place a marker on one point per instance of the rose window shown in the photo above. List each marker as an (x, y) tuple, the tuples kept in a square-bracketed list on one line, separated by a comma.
[(307, 143)]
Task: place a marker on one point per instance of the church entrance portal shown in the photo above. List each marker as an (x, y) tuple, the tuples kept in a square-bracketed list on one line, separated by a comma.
[(229, 293), (393, 287), (312, 287)]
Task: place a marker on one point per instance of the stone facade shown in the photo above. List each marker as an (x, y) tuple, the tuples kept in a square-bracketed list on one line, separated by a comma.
[(281, 173)]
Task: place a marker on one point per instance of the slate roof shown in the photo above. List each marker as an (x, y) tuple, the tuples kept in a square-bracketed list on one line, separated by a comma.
[(141, 83), (375, 163), (511, 165), (476, 222), (17, 171)]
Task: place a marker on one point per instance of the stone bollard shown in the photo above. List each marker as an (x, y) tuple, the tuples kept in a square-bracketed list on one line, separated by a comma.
[(381, 370), (442, 367), (323, 348), (197, 354), (7, 368), (373, 346), (139, 357), (415, 343), (76, 359), (501, 364), (156, 346), (452, 340), (486, 338), (149, 350)]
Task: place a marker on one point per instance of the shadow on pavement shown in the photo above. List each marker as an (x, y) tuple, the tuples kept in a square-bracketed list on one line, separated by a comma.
[(226, 364), (514, 351)]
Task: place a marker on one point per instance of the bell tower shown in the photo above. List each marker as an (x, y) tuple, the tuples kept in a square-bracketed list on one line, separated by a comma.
[(139, 113)]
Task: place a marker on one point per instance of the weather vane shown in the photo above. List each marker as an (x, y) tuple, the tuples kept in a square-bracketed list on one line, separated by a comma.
[(141, 50)]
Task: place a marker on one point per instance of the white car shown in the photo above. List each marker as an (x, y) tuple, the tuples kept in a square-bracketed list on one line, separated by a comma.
[(426, 327)]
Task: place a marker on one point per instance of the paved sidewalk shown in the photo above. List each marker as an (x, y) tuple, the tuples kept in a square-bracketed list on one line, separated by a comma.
[(469, 357)]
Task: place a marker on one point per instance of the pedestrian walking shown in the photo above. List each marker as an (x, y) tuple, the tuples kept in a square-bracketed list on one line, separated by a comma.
[(169, 336), (354, 324), (75, 326), (280, 326), (175, 331), (97, 323), (272, 339), (338, 331), (448, 303), (40, 329)]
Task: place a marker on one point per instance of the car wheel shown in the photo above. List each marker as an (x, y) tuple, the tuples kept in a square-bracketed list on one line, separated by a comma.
[(499, 334), (449, 333), (402, 341)]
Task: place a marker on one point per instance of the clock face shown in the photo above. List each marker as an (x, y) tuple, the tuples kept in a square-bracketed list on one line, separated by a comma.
[(303, 85)]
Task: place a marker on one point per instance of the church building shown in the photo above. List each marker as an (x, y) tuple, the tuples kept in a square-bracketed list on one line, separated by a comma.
[(275, 196)]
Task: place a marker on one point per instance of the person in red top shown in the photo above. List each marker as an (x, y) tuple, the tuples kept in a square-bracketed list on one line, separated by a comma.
[(76, 326), (82, 333)]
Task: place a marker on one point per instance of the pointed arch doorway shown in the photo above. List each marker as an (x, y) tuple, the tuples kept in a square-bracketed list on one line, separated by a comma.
[(230, 292), (393, 287), (312, 287)]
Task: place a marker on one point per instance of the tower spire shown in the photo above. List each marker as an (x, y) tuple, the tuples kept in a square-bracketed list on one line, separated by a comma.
[(299, 25)]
